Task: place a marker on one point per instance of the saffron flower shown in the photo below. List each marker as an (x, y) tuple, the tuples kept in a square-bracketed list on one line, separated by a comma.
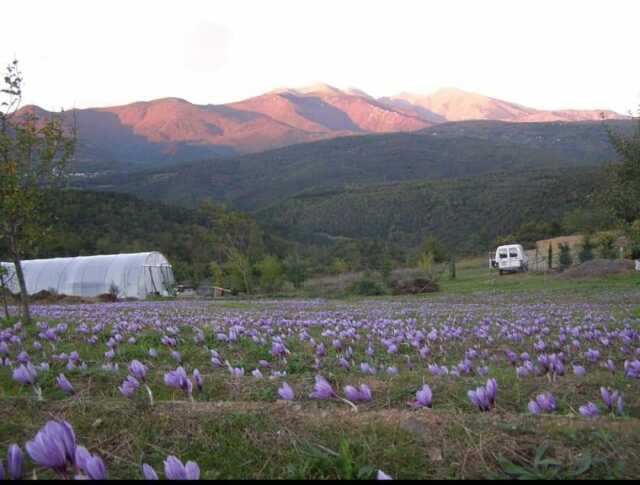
[(149, 473), (175, 470), (423, 398), (129, 386), (542, 403), (322, 389), (25, 374), (484, 397), (286, 392), (382, 476), (63, 384), (589, 410), (356, 395), (138, 370), (178, 379), (197, 378), (54, 446), (612, 399), (14, 462)]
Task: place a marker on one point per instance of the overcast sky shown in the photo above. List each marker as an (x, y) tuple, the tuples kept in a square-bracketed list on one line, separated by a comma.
[(545, 54)]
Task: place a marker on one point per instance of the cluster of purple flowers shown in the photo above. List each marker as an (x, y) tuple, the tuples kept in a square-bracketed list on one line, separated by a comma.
[(484, 398)]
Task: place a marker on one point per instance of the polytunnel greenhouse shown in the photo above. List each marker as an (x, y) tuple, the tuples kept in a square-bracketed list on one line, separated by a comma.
[(129, 275)]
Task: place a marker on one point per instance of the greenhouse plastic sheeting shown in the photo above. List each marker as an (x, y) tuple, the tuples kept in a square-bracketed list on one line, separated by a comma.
[(135, 275)]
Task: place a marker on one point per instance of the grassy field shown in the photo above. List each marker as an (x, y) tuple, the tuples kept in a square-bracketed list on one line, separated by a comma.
[(238, 427)]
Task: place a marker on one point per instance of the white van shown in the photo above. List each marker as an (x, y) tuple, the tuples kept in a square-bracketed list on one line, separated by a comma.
[(511, 258)]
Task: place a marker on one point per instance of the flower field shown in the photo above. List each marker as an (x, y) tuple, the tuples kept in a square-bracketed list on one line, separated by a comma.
[(403, 388)]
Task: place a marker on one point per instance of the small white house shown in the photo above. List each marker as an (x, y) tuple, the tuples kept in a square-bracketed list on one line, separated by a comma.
[(511, 258)]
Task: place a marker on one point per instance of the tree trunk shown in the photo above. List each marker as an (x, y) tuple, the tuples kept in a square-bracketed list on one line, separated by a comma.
[(4, 289), (24, 297)]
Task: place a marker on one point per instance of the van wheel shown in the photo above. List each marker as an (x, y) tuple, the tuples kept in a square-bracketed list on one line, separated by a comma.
[(501, 272)]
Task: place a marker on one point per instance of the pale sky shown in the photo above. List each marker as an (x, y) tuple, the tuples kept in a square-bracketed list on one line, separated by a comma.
[(546, 54)]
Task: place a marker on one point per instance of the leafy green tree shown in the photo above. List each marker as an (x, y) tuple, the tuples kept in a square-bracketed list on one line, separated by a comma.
[(633, 233), (217, 274), (607, 246), (624, 189), (452, 267), (295, 269), (271, 273), (432, 246), (338, 266), (239, 270), (33, 156), (586, 249), (565, 259)]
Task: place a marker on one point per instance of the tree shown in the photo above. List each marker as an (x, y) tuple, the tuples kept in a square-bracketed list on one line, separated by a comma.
[(624, 188), (239, 269), (295, 269), (33, 157), (565, 259), (607, 246), (550, 257), (5, 278), (586, 249), (633, 234), (270, 271), (432, 246)]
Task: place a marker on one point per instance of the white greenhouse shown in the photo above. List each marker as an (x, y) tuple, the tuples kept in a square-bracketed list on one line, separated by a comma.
[(132, 275)]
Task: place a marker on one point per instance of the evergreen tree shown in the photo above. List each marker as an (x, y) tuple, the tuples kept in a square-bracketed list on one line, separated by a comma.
[(565, 259), (586, 249)]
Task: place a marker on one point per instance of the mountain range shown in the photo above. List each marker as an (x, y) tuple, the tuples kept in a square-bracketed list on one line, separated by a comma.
[(173, 129)]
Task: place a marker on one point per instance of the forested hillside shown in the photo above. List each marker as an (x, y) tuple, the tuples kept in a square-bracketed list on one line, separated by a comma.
[(446, 151), (467, 214), (88, 223)]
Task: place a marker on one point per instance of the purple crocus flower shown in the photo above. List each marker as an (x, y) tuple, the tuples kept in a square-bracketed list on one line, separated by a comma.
[(63, 384), (175, 470), (197, 378), (178, 379), (322, 389), (14, 462), (256, 373), (25, 374), (632, 369), (542, 403), (382, 476), (91, 465), (149, 473), (354, 394), (492, 389), (589, 410), (612, 399), (484, 397), (286, 392), (95, 469), (138, 370), (592, 355), (129, 386), (423, 398), (54, 446), (578, 370)]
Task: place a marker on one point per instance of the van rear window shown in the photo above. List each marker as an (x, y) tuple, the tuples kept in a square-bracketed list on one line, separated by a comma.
[(503, 255), (513, 253)]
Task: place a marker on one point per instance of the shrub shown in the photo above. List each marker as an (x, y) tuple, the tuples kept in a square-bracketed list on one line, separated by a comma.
[(607, 247), (565, 259), (586, 249), (367, 287)]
